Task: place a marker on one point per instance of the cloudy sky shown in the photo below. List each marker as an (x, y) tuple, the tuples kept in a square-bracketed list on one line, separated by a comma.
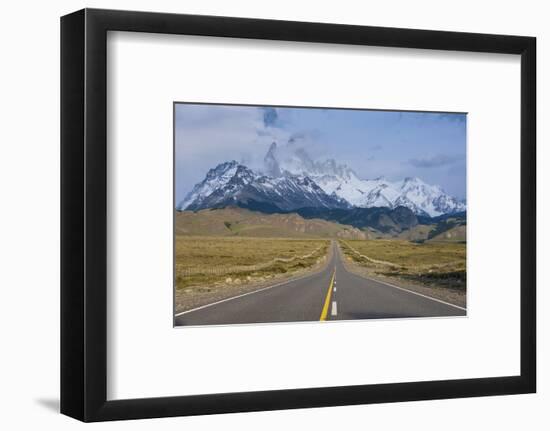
[(431, 146)]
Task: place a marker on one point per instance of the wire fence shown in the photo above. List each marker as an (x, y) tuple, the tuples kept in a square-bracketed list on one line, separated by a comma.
[(395, 265), (183, 271)]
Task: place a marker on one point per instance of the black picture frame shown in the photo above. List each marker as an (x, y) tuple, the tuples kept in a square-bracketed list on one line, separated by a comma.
[(84, 214)]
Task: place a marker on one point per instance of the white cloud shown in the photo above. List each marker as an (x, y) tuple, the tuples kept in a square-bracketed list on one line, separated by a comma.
[(207, 135)]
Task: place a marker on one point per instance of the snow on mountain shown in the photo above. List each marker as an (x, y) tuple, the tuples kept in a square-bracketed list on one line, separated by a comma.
[(231, 183), (215, 179), (419, 196), (292, 180), (340, 180)]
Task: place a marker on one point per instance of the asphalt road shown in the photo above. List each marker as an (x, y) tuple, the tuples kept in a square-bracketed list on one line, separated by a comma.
[(331, 294)]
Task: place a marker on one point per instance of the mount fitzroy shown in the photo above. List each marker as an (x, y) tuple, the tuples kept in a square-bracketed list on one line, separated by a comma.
[(293, 181)]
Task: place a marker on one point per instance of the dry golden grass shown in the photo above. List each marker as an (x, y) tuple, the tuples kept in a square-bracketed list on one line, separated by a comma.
[(205, 262), (439, 263)]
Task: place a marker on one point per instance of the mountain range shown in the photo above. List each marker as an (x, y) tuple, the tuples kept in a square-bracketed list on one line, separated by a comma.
[(291, 180), (233, 184)]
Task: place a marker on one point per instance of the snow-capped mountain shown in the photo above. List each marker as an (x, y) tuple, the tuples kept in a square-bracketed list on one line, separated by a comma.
[(340, 180), (291, 179), (419, 196), (214, 180), (231, 183)]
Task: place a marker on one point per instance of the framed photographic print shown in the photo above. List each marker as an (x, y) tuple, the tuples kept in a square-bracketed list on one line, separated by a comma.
[(246, 202), (273, 236)]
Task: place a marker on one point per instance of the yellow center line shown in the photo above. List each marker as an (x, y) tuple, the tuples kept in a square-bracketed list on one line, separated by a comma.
[(324, 313)]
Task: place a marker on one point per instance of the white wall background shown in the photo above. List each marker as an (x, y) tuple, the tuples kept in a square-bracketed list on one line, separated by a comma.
[(29, 216)]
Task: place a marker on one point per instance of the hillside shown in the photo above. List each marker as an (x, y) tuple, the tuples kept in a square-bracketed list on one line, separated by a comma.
[(381, 219), (417, 233), (454, 234), (233, 221)]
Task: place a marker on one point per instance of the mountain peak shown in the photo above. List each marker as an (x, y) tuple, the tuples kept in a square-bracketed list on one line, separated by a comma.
[(229, 164), (292, 179), (232, 183), (271, 162), (297, 161), (223, 167)]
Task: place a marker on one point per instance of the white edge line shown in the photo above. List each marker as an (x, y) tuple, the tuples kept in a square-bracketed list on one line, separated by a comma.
[(243, 294), (410, 291)]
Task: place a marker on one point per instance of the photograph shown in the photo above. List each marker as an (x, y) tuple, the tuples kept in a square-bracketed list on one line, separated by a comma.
[(292, 214), (263, 216)]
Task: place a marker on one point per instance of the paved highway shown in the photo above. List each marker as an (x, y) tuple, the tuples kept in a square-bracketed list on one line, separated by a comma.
[(331, 294)]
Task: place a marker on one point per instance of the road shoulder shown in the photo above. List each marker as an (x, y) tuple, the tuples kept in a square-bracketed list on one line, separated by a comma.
[(451, 296)]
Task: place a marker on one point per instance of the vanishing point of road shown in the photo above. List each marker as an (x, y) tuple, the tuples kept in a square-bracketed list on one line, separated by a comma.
[(333, 293)]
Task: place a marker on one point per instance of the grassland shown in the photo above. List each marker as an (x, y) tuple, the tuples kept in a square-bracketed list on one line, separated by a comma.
[(209, 267), (438, 264), (224, 252)]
